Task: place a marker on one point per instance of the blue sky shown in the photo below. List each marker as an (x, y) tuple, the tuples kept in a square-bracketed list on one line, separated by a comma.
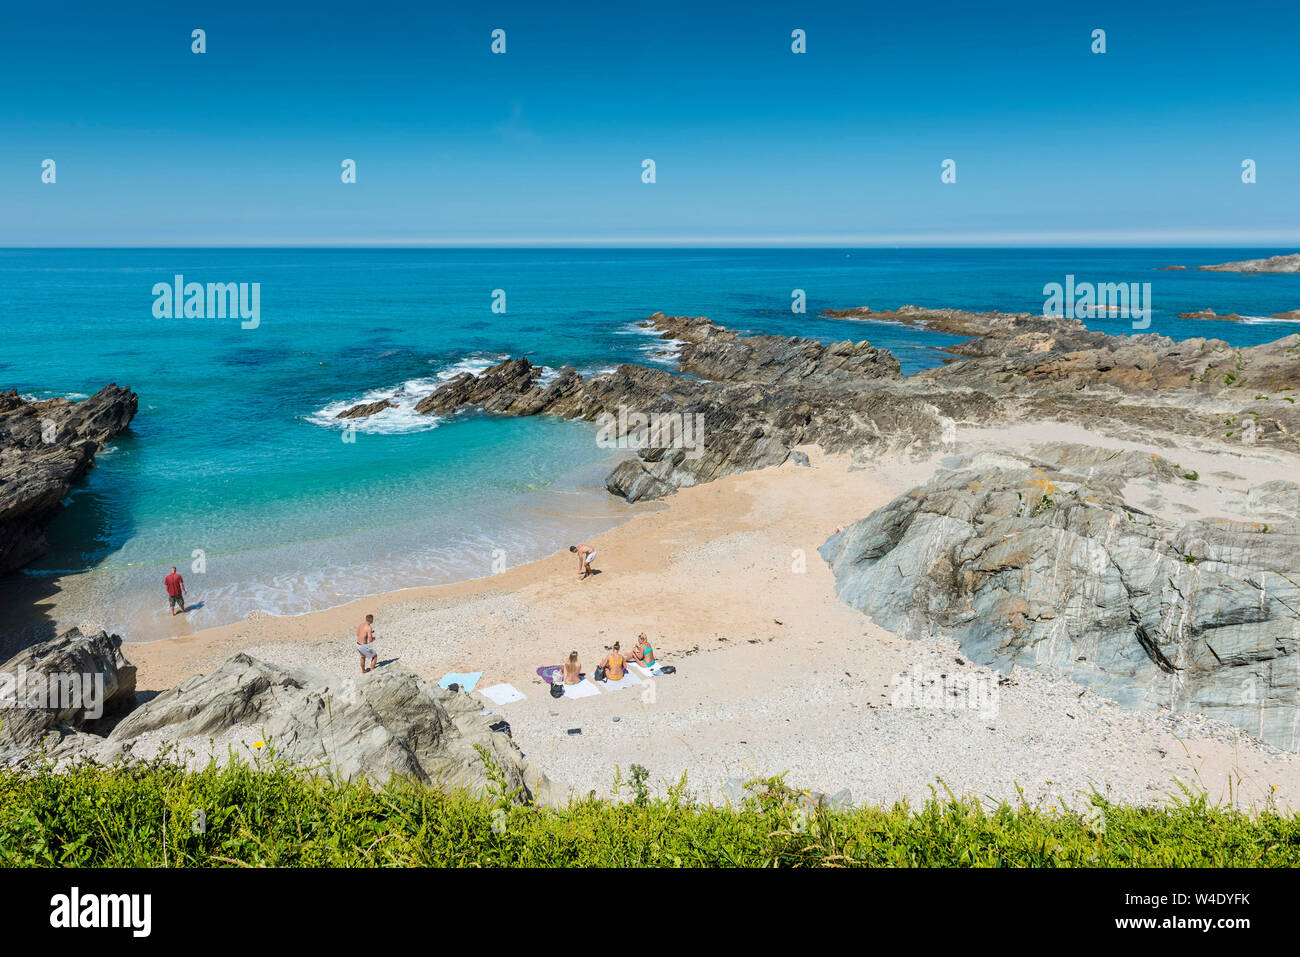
[(842, 145)]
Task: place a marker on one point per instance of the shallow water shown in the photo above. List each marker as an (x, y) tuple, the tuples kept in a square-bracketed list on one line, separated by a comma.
[(235, 460)]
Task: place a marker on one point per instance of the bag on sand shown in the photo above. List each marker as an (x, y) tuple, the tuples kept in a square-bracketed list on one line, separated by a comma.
[(600, 673), (557, 691), (667, 670)]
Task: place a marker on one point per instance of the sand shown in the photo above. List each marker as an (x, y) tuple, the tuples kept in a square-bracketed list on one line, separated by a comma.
[(774, 674)]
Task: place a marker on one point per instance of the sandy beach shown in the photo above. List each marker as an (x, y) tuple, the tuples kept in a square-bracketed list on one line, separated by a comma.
[(774, 673)]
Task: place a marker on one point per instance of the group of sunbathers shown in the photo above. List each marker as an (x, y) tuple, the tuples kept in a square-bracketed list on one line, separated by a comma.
[(614, 664)]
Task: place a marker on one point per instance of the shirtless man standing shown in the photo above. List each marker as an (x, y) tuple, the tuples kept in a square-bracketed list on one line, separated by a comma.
[(585, 554), (366, 643)]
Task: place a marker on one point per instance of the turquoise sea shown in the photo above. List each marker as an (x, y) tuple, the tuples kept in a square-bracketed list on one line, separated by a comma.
[(234, 461)]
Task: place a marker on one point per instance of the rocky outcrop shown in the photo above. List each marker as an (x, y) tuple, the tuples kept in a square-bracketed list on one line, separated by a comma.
[(45, 448), (51, 691), (739, 403), (754, 399), (374, 726), (1039, 559), (365, 409), (1286, 263), (959, 322), (1209, 314), (712, 352)]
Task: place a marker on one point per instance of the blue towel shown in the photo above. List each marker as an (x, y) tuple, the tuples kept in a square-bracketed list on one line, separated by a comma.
[(466, 681)]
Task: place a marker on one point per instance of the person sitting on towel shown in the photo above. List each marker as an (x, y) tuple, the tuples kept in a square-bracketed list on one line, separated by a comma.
[(613, 664), (572, 669), (643, 654)]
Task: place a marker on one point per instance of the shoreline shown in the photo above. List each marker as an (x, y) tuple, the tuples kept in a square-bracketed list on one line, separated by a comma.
[(46, 604), (774, 673)]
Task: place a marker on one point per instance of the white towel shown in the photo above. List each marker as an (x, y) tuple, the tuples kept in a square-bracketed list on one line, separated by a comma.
[(501, 694), (627, 681), (643, 671), (583, 689)]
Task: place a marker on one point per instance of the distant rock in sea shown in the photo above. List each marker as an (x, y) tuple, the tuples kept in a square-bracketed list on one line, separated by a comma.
[(364, 409), (1209, 314), (1287, 263), (45, 448)]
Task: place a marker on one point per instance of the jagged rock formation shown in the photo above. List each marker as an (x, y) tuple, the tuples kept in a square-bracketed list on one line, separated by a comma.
[(761, 396), (51, 690), (1210, 314), (364, 409), (46, 447), (385, 723), (740, 403), (1286, 263), (1039, 559)]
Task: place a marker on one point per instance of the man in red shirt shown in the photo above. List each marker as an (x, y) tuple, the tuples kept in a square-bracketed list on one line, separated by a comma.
[(175, 586)]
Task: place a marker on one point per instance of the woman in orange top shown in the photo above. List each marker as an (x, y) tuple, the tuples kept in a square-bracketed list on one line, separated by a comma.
[(613, 664)]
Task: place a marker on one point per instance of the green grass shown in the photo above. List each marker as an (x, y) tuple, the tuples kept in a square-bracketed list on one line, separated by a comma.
[(161, 815)]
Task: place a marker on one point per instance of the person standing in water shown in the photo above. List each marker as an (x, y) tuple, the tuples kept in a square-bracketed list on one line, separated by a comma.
[(175, 586), (585, 554), (366, 643)]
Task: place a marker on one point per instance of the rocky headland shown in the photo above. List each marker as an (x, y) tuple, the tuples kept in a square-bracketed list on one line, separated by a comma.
[(1285, 263), (45, 448)]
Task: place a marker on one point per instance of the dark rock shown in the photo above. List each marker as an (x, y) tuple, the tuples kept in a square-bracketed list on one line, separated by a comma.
[(45, 448), (365, 409)]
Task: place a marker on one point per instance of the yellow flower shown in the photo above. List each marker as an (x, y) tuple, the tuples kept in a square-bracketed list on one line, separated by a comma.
[(259, 744)]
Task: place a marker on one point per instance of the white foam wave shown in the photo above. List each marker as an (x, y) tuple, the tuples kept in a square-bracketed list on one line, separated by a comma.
[(401, 417), (41, 397)]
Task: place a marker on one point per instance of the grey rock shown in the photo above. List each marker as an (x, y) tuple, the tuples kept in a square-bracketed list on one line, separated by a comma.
[(1287, 263), (374, 726), (50, 691), (1039, 561)]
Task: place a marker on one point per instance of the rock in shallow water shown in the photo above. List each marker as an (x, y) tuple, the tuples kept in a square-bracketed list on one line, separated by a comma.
[(45, 447)]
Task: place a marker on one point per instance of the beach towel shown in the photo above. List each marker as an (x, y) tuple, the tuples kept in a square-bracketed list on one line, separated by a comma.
[(583, 689), (502, 694), (466, 681), (627, 681), (547, 673), (645, 672)]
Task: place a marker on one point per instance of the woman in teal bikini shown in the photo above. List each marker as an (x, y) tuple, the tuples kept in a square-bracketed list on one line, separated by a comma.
[(643, 654)]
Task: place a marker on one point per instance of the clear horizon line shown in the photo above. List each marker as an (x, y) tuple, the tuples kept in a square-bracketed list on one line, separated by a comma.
[(1150, 239)]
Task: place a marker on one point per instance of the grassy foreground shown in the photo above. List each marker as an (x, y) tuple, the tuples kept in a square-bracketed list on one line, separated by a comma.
[(162, 815)]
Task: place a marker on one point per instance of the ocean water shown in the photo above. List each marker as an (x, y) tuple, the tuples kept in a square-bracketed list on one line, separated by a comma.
[(235, 462)]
